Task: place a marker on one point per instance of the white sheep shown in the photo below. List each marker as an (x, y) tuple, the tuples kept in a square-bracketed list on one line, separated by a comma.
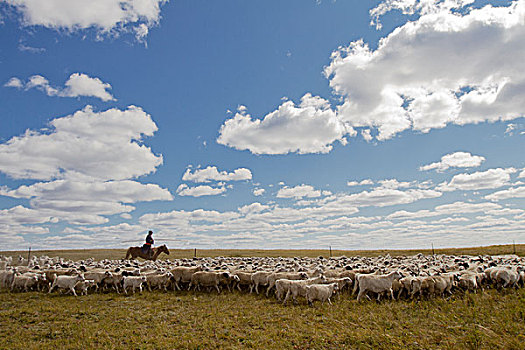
[(210, 279), (183, 274), (297, 288), (259, 278), (159, 281), (24, 282), (66, 282), (321, 292), (98, 276), (134, 282), (284, 275), (376, 283)]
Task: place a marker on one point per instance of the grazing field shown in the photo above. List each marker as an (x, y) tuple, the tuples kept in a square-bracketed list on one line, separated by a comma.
[(159, 320), (98, 254), (490, 319)]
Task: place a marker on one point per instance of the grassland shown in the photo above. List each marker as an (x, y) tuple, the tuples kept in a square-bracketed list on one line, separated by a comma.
[(195, 320), (189, 320), (98, 254)]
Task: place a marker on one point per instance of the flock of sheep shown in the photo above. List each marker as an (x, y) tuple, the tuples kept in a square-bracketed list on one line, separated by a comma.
[(310, 278)]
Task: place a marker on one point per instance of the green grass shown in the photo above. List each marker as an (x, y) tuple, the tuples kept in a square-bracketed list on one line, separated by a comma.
[(189, 320), (98, 254)]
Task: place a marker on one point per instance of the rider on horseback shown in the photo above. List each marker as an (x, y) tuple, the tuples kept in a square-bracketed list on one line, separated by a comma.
[(146, 248)]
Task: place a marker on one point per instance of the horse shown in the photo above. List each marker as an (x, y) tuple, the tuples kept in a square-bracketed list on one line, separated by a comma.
[(135, 252)]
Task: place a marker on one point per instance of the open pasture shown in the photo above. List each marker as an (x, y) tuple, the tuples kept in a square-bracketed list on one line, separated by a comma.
[(482, 319), (99, 254)]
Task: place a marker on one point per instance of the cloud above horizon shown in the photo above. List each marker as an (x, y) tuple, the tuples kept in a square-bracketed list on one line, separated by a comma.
[(454, 160), (78, 84), (105, 16), (428, 73), (211, 173), (83, 164)]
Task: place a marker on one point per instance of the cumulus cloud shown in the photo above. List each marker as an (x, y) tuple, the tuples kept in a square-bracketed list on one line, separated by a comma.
[(253, 208), (105, 16), (454, 160), (310, 127), (481, 180), (455, 208), (299, 191), (258, 191), (394, 184), (88, 157), (383, 196), (198, 191), (212, 174), (360, 183), (428, 73), (77, 85), (409, 7), (126, 191), (434, 71), (516, 192), (104, 145), (14, 82)]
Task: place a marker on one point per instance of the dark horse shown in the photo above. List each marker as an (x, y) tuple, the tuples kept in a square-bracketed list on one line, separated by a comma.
[(135, 252)]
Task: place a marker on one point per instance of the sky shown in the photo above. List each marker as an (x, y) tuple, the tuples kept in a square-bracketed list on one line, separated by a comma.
[(234, 124)]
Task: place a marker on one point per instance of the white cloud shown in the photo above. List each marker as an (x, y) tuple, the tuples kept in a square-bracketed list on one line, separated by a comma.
[(394, 184), (367, 136), (15, 83), (41, 83), (516, 192), (409, 7), (104, 145), (105, 16), (83, 201), (455, 160), (212, 174), (381, 197), (126, 191), (25, 48), (492, 178), (451, 209), (435, 70), (258, 192), (198, 191), (361, 183), (311, 127), (428, 73), (510, 129), (253, 208), (299, 191), (78, 84)]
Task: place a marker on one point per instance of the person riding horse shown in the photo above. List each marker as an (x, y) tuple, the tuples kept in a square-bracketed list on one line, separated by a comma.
[(146, 248)]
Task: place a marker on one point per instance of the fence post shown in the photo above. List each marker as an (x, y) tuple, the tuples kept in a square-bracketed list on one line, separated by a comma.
[(514, 246), (195, 252), (330, 251), (433, 248)]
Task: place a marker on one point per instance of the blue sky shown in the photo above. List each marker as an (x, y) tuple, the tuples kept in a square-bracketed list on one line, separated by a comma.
[(262, 124)]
